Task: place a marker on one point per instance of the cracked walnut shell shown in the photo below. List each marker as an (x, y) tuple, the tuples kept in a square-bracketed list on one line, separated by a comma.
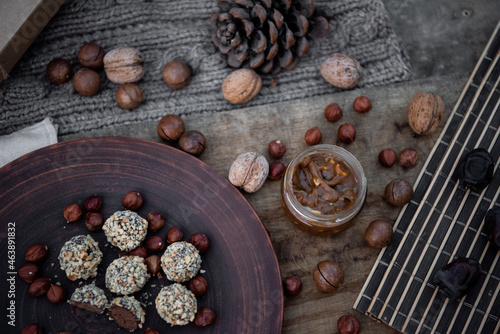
[(249, 171), (241, 86)]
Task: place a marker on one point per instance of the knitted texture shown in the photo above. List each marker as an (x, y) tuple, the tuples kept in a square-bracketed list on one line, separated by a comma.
[(166, 30)]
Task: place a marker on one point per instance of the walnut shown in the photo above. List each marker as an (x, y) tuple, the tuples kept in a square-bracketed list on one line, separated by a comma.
[(426, 113), (341, 71), (124, 65), (241, 86), (249, 171)]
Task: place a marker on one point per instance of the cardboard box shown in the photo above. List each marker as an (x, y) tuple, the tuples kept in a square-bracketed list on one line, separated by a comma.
[(20, 23)]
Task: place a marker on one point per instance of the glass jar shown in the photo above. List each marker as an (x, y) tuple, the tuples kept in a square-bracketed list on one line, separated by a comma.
[(310, 219)]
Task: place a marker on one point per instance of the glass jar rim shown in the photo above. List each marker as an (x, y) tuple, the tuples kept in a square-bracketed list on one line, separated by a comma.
[(351, 162)]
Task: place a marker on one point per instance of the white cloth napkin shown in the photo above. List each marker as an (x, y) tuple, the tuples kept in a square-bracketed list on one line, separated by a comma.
[(26, 140)]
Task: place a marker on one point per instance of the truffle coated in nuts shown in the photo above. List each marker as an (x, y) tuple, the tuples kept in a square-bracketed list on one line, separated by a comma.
[(124, 65), (181, 261), (387, 157), (36, 252), (200, 241), (347, 133), (170, 128), (398, 192), (333, 112), (56, 294), (174, 234), (126, 275), (129, 96), (86, 82), (362, 104), (127, 312), (249, 171), (155, 221), (193, 142), (72, 213), (408, 158), (328, 275), (91, 55), (93, 203), (426, 113), (348, 324), (379, 233), (125, 230), (276, 149), (313, 136), (241, 86), (176, 304), (59, 71), (341, 71), (132, 200), (176, 74), (79, 257)]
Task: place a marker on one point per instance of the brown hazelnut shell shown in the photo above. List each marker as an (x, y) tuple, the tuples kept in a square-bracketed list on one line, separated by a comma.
[(328, 275), (379, 233), (86, 82), (176, 74), (129, 96), (398, 192)]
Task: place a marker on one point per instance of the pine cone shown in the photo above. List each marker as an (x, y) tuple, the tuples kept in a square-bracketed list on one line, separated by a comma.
[(267, 35)]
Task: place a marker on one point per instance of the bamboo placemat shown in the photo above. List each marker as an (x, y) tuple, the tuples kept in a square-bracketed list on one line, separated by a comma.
[(444, 221)]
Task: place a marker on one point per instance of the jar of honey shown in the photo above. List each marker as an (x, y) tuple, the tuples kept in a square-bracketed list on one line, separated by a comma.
[(323, 189)]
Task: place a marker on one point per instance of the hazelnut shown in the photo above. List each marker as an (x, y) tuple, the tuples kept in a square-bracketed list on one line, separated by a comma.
[(36, 252), (249, 171), (293, 285), (56, 294), (174, 234), (198, 286), (29, 272), (387, 157), (348, 324), (94, 221), (124, 65), (138, 251), (328, 275), (86, 82), (129, 96), (193, 142), (408, 158), (379, 233), (59, 71), (153, 263), (170, 128), (65, 332), (39, 287), (151, 331), (132, 200), (241, 86), (91, 55), (72, 213), (155, 221), (200, 241), (313, 136), (204, 317), (362, 104), (32, 329), (276, 170), (426, 113), (333, 112), (176, 74), (398, 192), (155, 243), (93, 203), (341, 71), (276, 149), (347, 133)]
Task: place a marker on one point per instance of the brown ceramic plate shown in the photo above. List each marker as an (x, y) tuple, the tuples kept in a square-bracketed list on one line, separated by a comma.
[(241, 268)]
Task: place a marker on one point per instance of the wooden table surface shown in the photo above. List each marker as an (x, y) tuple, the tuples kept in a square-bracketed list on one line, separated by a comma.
[(231, 133)]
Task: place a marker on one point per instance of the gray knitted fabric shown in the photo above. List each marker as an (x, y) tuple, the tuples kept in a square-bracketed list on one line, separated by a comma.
[(171, 29)]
